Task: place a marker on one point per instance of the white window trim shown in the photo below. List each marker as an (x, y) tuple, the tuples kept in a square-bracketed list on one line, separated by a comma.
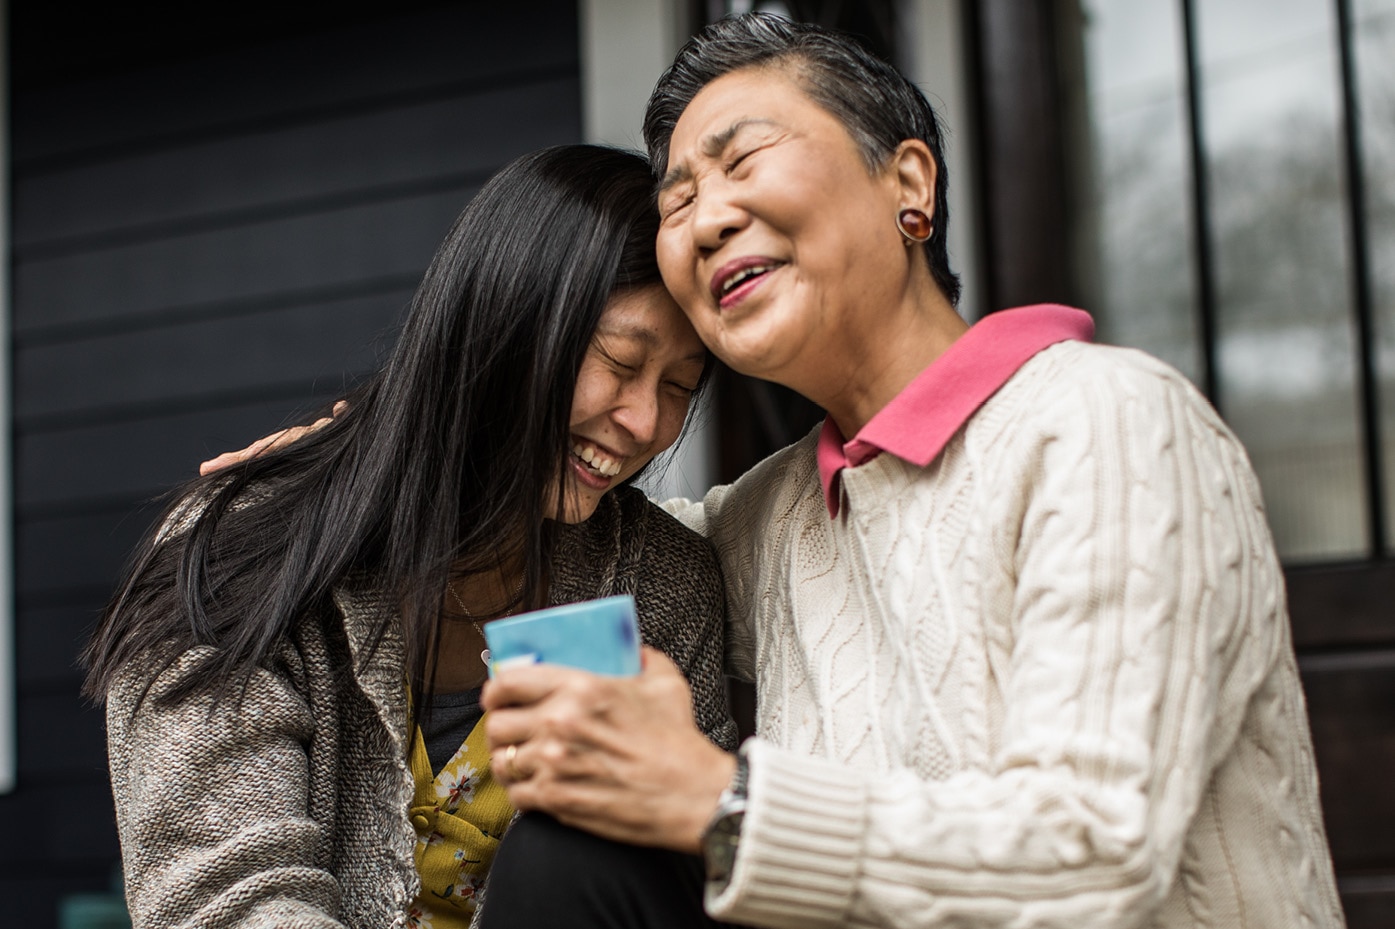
[(937, 60), (625, 46)]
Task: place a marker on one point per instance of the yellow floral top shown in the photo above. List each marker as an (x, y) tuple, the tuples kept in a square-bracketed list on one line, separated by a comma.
[(459, 815)]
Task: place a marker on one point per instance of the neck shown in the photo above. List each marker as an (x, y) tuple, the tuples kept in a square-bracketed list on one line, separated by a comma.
[(460, 666), (884, 353), (485, 595), (472, 601)]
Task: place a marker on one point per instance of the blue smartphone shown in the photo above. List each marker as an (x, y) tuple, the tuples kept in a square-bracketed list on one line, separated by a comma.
[(601, 636)]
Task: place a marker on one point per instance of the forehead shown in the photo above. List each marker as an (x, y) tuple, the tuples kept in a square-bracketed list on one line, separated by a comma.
[(649, 315), (758, 96)]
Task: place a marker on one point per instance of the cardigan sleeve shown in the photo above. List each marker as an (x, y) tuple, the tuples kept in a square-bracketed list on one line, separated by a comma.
[(683, 614), (1146, 611), (735, 519), (213, 809)]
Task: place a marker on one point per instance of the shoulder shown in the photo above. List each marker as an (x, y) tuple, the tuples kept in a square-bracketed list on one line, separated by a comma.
[(1087, 418), (772, 486), (674, 573), (205, 497), (669, 544), (164, 693), (792, 466), (1073, 371), (1099, 393)]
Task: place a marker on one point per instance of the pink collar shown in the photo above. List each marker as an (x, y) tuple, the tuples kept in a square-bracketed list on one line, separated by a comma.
[(919, 420)]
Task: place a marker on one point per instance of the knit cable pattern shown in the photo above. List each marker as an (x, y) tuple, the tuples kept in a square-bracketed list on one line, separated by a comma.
[(1044, 682)]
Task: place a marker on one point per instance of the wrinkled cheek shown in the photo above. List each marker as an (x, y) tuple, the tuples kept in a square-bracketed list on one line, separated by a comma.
[(679, 276)]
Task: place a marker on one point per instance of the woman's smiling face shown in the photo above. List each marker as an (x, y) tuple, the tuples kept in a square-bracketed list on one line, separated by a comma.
[(632, 394), (775, 236)]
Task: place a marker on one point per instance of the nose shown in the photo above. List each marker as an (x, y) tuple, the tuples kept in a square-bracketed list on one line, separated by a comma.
[(716, 217), (637, 411)]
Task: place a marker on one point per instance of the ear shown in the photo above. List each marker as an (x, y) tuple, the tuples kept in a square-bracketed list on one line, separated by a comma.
[(916, 175)]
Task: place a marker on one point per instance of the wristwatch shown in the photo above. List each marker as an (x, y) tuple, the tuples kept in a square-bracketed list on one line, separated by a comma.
[(723, 833)]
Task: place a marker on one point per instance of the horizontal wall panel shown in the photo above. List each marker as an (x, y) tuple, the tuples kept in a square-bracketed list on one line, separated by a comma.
[(211, 243), (53, 824), (1351, 706), (461, 44), (319, 341), (32, 890), (60, 473), (465, 135), (259, 259), (71, 559), (48, 640), (60, 736)]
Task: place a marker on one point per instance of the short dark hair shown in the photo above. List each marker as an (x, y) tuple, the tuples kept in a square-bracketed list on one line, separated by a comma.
[(875, 103)]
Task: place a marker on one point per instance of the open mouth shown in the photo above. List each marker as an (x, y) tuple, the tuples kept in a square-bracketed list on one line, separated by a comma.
[(733, 283), (595, 460)]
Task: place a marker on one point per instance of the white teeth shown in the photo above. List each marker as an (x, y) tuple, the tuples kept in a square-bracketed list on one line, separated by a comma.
[(596, 460), (736, 279)]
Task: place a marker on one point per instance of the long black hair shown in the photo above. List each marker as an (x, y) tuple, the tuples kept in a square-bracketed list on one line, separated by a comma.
[(442, 462)]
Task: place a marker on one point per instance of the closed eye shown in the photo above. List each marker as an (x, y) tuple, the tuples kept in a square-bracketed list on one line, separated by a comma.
[(675, 205), (614, 362), (732, 163)]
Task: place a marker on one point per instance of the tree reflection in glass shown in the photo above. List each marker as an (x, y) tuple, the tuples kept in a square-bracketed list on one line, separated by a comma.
[(1286, 346)]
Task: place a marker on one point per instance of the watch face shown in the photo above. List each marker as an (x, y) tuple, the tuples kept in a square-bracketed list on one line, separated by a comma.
[(729, 825), (719, 846)]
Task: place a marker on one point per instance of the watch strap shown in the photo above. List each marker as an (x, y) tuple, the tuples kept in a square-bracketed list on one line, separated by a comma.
[(722, 836)]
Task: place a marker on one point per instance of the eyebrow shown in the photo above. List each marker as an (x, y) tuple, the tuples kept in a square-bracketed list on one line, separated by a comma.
[(712, 146)]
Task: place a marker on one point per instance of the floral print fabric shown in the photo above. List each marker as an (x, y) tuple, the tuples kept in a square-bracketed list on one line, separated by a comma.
[(459, 816)]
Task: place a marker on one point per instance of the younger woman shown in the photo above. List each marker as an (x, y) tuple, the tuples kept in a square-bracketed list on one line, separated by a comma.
[(292, 663)]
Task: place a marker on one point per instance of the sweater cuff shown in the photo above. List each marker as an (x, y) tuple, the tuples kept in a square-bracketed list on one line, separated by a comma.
[(801, 843)]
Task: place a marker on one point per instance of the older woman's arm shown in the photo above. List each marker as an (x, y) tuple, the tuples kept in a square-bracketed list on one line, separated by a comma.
[(1140, 626), (1147, 611), (212, 805)]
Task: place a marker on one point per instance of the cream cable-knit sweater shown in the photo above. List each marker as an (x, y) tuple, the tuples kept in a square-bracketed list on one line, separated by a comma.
[(1046, 681)]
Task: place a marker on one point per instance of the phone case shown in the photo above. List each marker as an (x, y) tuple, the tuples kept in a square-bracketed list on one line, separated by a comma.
[(601, 636)]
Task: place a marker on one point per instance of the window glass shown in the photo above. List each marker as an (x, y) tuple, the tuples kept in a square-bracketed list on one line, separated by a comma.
[(1374, 28), (1287, 354), (1138, 215)]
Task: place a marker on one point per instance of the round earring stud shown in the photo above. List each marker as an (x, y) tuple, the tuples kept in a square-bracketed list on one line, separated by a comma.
[(915, 226)]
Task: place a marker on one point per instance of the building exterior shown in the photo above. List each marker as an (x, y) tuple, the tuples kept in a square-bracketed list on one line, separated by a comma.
[(214, 223)]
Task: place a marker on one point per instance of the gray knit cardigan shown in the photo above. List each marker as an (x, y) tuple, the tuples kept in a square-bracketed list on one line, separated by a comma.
[(291, 809)]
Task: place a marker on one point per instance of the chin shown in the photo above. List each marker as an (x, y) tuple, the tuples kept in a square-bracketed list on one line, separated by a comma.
[(753, 358), (578, 510), (758, 347)]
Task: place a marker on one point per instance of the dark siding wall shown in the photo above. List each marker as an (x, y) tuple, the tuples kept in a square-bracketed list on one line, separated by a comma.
[(201, 249)]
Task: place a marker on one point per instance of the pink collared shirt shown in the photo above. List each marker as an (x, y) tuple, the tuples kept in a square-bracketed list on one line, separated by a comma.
[(919, 420)]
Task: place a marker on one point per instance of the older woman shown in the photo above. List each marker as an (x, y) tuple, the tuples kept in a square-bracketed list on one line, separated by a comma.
[(1013, 612)]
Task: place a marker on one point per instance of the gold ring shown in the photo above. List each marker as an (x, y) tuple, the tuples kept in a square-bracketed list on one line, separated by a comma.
[(510, 768)]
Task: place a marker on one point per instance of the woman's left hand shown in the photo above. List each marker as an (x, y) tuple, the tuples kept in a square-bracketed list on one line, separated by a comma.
[(619, 757)]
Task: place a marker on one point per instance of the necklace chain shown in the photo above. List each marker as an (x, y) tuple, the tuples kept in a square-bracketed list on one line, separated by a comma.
[(470, 616), (517, 591)]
